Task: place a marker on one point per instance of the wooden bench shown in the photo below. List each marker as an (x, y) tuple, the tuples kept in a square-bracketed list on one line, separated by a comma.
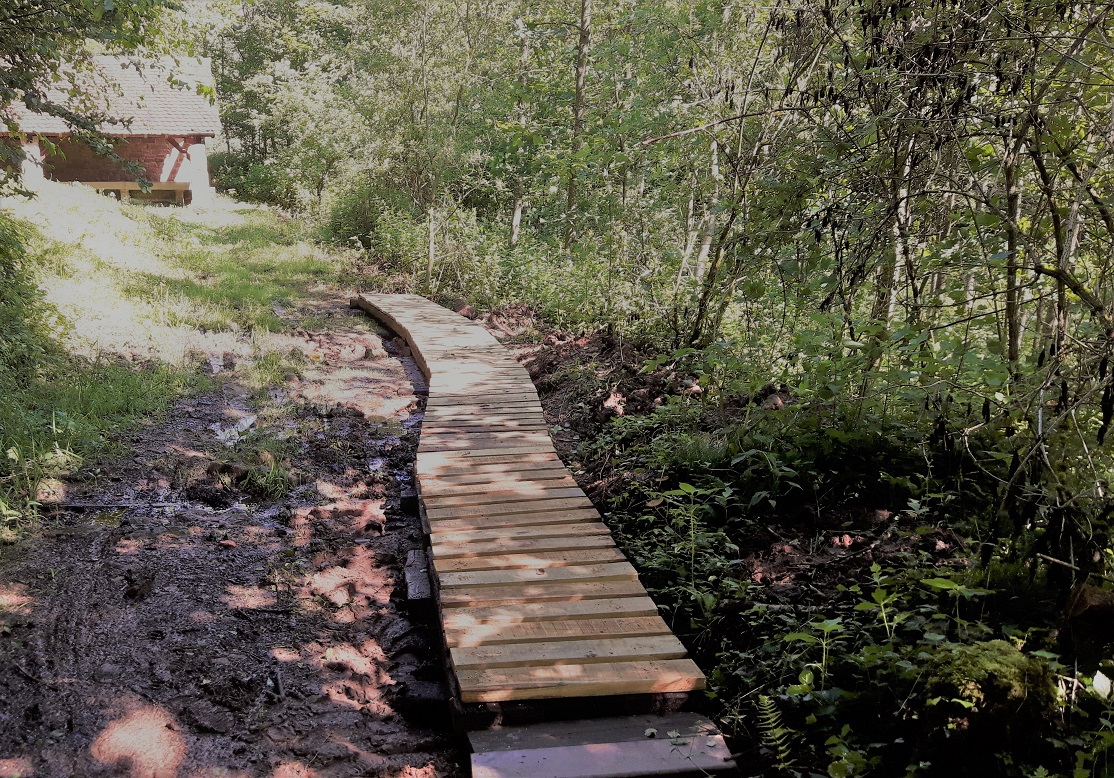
[(124, 189)]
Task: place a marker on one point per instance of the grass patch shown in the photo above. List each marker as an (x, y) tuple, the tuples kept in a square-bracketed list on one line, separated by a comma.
[(237, 273), (56, 409), (107, 310)]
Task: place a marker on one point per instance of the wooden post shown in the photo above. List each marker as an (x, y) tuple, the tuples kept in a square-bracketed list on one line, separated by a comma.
[(432, 245), (31, 169)]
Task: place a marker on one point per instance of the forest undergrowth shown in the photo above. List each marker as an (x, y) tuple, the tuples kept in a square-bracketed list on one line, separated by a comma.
[(823, 290), (834, 568)]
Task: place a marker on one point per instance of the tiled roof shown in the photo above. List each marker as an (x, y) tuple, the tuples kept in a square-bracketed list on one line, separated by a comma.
[(145, 98)]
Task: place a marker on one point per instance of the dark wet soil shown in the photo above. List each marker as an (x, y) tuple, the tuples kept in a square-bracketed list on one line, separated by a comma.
[(228, 599)]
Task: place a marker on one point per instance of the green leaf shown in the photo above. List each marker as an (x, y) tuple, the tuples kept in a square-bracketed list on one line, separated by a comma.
[(946, 584), (803, 637)]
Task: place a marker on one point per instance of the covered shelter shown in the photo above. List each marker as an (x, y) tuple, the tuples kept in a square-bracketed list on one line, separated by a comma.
[(158, 115)]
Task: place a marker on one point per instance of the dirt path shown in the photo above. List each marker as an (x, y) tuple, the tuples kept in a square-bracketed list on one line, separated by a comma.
[(227, 600)]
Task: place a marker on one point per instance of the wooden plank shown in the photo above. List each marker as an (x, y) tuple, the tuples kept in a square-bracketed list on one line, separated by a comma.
[(530, 411), (497, 493), (539, 531), (473, 425), (550, 631), (483, 400), (416, 572), (610, 572), (462, 440), (536, 560), (524, 466), (500, 684), (518, 594), (536, 505), (591, 731), (481, 480), (479, 419), (621, 607), (515, 520), (569, 652), (521, 545), (484, 456), (704, 756), (537, 442)]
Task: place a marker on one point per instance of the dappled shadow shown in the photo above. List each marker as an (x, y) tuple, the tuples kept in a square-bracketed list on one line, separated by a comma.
[(230, 633)]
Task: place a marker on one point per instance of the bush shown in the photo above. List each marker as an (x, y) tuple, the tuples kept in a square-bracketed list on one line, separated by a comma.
[(254, 181)]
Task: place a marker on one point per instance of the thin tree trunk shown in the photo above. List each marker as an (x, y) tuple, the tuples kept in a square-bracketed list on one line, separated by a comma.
[(1013, 265), (432, 246), (519, 187), (578, 117)]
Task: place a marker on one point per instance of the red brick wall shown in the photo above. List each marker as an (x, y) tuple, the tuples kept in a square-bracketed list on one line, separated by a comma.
[(80, 163)]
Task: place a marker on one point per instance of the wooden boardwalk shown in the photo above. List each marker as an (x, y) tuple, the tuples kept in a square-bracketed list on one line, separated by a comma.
[(535, 599)]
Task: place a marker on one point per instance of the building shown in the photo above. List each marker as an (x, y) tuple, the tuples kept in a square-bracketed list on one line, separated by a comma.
[(160, 115)]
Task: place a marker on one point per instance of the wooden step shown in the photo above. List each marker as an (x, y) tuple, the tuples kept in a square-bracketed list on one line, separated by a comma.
[(680, 744)]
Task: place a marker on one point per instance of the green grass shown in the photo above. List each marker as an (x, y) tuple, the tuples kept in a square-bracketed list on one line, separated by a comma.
[(106, 310), (240, 271), (70, 413)]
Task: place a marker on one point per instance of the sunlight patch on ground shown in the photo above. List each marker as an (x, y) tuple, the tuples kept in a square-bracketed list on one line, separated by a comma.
[(249, 597), (144, 741), (180, 286), (16, 767)]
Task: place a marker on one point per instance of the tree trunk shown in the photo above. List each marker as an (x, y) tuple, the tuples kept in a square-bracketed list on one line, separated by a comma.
[(578, 117), (1013, 264), (519, 187)]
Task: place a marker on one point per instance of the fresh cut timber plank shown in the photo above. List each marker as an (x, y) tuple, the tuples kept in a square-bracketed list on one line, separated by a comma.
[(491, 388), (535, 560), (517, 594), (515, 520), (579, 680), (446, 467), (484, 439), (706, 755), (526, 506), (465, 618), (521, 545), (443, 427), (550, 631), (483, 456), (607, 572), (480, 481), (456, 421), (499, 493), (464, 442), (516, 399), (569, 652), (465, 538)]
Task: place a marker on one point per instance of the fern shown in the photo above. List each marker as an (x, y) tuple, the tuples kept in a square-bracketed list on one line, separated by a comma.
[(774, 734)]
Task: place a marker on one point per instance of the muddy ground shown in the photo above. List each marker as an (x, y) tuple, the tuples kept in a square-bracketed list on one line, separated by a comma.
[(228, 599)]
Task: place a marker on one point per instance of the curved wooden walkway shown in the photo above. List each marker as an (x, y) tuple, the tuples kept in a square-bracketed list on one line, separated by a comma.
[(535, 599)]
